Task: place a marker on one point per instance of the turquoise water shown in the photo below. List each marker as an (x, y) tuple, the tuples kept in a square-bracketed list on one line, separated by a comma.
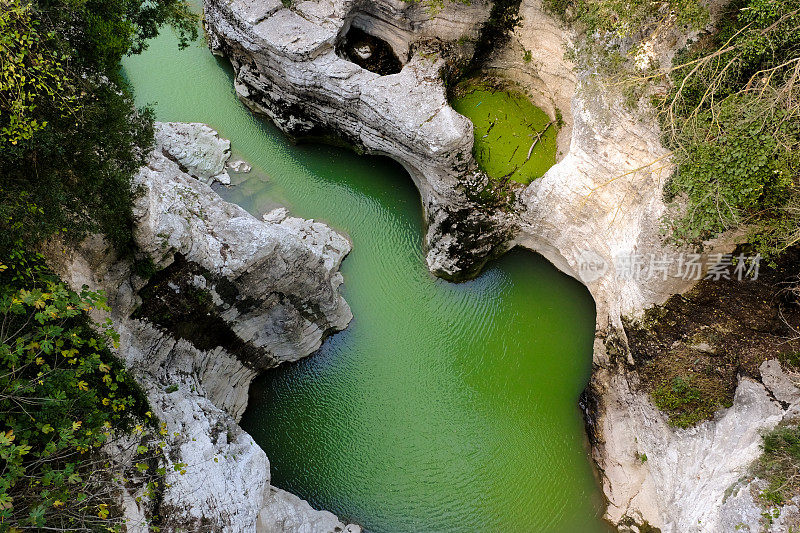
[(443, 407)]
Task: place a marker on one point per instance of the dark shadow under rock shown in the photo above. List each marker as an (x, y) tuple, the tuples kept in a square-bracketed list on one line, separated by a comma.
[(369, 52)]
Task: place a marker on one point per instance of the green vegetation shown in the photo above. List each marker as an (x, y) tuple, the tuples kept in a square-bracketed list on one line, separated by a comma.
[(434, 6), (732, 119), (779, 465), (63, 396), (689, 400), (70, 138), (728, 106), (514, 139), (625, 18), (691, 351), (70, 142)]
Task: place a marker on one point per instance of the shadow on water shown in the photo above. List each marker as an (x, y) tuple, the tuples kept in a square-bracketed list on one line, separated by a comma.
[(442, 407)]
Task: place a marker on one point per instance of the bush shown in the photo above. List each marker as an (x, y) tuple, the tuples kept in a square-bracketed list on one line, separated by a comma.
[(63, 396), (734, 168), (623, 18), (688, 400), (779, 464), (733, 120)]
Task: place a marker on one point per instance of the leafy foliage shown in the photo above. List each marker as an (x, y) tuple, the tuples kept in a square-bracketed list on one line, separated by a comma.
[(29, 72), (732, 118), (622, 18), (70, 137), (70, 142), (734, 167), (63, 395)]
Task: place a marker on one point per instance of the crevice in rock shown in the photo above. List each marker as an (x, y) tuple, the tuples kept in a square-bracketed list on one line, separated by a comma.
[(369, 52), (175, 301)]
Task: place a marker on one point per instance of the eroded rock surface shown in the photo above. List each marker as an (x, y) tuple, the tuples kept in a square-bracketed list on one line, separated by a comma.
[(196, 148), (287, 68), (273, 286), (683, 480)]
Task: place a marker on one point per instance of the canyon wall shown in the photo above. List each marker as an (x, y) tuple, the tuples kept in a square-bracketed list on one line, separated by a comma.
[(227, 296)]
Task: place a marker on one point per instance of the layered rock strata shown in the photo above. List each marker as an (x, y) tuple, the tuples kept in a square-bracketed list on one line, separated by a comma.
[(272, 289), (287, 68)]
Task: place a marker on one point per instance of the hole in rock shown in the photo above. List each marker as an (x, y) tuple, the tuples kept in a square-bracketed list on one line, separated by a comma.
[(369, 52)]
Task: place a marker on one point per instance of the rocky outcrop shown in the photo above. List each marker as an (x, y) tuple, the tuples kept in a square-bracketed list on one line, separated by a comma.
[(273, 289), (602, 201), (280, 293), (197, 149), (686, 480), (287, 68)]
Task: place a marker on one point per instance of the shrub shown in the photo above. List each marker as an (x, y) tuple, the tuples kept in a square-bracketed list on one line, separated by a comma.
[(732, 118), (687, 400), (733, 167), (70, 137), (63, 396)]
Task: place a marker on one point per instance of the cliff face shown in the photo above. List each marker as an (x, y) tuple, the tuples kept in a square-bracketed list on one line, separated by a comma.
[(266, 292), (696, 479), (593, 213), (601, 205), (287, 68)]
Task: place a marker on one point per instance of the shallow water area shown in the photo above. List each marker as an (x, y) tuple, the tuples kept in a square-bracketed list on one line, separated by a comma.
[(513, 138), (443, 407)]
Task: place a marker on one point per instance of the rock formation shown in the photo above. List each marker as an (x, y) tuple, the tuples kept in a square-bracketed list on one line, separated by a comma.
[(272, 291), (287, 68), (688, 480)]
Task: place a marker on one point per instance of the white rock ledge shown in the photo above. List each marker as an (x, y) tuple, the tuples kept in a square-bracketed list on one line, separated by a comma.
[(288, 272)]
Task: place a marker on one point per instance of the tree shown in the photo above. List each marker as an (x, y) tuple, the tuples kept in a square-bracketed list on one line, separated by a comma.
[(63, 396), (70, 136)]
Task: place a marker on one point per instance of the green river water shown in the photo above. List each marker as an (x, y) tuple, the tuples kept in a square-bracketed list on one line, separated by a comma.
[(443, 407)]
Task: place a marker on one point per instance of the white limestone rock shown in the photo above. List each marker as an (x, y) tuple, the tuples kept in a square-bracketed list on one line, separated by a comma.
[(287, 68), (201, 394), (239, 166), (196, 148), (782, 385), (289, 268)]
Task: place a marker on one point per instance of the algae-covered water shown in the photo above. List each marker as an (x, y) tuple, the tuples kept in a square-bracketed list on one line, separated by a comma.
[(443, 407), (513, 138)]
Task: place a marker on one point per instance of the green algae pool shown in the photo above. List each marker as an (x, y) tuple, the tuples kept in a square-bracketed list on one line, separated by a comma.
[(443, 407), (513, 138)]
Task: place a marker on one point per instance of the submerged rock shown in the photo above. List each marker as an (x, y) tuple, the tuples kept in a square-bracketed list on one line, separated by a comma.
[(240, 166)]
